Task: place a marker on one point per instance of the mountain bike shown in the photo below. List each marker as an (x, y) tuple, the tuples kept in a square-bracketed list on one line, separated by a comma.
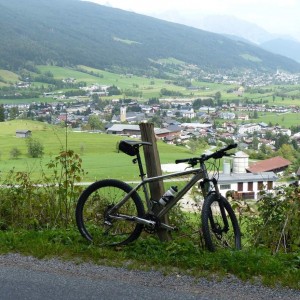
[(111, 212)]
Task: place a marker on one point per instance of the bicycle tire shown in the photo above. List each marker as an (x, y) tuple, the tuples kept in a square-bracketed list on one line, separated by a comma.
[(211, 214), (91, 210)]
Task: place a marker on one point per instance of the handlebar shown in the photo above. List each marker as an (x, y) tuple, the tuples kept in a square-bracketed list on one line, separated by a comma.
[(220, 153), (216, 155)]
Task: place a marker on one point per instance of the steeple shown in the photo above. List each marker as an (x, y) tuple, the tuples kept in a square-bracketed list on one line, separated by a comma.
[(123, 113)]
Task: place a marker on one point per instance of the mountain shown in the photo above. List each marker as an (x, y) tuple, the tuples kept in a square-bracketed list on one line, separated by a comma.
[(236, 27), (73, 32), (286, 47)]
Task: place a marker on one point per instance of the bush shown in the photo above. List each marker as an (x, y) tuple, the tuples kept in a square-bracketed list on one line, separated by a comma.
[(276, 226), (35, 148), (48, 203), (15, 153)]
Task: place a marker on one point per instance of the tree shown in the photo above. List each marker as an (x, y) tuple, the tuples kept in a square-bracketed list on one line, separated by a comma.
[(15, 153), (295, 145), (34, 148), (196, 144), (156, 120), (153, 101), (113, 90), (95, 122), (287, 151), (218, 96), (269, 135), (14, 112), (281, 140), (2, 115), (197, 103), (255, 143)]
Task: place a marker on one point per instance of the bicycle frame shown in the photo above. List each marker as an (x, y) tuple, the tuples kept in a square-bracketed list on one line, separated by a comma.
[(121, 214), (199, 174)]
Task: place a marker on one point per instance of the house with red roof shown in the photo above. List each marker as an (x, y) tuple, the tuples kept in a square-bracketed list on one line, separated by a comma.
[(276, 164)]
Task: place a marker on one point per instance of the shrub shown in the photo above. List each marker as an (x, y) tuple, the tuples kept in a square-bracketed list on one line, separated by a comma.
[(34, 147), (277, 223), (15, 153), (47, 203)]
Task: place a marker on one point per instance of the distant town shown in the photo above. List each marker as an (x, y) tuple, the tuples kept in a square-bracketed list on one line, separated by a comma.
[(177, 120)]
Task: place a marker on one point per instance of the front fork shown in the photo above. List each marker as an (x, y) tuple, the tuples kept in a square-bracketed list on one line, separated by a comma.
[(209, 186)]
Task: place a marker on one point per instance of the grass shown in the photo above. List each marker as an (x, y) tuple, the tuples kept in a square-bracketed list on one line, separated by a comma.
[(98, 151), (9, 76), (135, 83), (180, 256), (151, 87), (286, 119)]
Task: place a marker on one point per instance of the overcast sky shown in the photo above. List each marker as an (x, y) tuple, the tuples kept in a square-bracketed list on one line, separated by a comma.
[(275, 16)]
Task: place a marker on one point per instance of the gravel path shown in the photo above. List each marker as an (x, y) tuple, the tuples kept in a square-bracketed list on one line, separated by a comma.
[(141, 282)]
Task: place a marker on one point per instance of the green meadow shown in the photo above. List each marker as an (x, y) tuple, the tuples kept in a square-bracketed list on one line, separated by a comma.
[(151, 87), (148, 87), (98, 151), (8, 76), (285, 120)]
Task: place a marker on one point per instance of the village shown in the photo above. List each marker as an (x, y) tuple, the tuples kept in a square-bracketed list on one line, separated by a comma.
[(177, 122), (184, 121)]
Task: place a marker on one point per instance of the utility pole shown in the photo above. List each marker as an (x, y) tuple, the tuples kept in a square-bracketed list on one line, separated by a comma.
[(154, 169)]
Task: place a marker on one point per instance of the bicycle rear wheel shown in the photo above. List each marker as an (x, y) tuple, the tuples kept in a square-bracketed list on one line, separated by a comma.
[(219, 224), (94, 222)]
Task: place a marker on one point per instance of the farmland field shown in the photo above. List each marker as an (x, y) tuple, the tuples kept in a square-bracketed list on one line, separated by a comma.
[(151, 87), (98, 151)]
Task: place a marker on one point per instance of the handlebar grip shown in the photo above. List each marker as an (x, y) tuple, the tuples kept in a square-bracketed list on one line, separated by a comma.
[(178, 161)]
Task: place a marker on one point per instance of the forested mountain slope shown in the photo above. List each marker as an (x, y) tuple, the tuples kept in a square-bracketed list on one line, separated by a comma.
[(71, 32)]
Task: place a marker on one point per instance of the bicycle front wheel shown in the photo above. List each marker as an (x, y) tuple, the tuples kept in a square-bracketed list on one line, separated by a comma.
[(219, 224), (118, 227)]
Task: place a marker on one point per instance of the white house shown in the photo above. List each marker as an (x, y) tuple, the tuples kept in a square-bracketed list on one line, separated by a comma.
[(246, 185), (249, 128)]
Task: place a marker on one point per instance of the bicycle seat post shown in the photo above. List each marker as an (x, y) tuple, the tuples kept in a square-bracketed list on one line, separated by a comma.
[(139, 161)]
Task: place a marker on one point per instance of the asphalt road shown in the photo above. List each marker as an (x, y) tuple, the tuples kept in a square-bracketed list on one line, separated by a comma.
[(29, 278)]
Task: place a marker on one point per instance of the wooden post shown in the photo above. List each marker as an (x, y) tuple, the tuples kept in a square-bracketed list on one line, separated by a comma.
[(154, 169)]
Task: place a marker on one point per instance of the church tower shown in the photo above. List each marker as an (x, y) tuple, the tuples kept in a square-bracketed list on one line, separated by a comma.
[(123, 113)]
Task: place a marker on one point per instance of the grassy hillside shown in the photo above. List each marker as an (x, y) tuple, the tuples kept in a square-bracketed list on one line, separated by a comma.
[(98, 151), (150, 87)]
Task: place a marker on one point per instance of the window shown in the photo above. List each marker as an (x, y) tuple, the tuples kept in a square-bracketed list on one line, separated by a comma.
[(260, 185), (225, 186), (240, 186), (250, 186), (270, 185)]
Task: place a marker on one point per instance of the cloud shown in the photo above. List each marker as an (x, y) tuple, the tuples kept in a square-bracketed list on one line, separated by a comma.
[(281, 16)]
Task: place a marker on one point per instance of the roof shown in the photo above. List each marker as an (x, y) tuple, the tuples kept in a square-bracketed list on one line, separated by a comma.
[(269, 164), (121, 127), (246, 177), (174, 128), (241, 154), (23, 131), (161, 131)]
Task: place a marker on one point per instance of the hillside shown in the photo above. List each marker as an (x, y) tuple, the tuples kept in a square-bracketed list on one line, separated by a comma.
[(286, 47), (72, 32)]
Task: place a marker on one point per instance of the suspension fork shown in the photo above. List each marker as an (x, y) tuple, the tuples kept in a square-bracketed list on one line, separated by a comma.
[(206, 187)]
